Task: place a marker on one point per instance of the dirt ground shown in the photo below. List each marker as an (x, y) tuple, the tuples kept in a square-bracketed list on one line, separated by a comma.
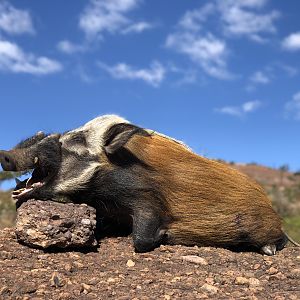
[(115, 271)]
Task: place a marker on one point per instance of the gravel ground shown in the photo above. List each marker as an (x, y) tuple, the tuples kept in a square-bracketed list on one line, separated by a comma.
[(115, 271)]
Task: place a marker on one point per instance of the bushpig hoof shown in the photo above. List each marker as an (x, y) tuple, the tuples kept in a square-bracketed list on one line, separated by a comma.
[(268, 250), (145, 245)]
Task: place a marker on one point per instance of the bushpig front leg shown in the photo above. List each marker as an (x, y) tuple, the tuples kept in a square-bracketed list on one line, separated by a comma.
[(148, 229)]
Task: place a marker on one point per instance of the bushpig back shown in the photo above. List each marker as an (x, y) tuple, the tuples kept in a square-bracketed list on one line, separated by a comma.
[(210, 202)]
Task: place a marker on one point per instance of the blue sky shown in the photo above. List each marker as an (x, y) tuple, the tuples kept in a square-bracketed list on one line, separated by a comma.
[(223, 76)]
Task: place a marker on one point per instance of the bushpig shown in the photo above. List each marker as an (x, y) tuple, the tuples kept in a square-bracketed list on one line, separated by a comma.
[(140, 177)]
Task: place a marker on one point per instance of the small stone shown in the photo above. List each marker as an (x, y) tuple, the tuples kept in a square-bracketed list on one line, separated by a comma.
[(4, 290), (93, 281), (167, 297), (78, 264), (69, 267), (85, 288), (235, 294), (209, 288), (130, 263), (293, 297), (163, 248), (256, 266), (56, 280), (272, 271), (277, 276), (209, 280), (175, 279), (254, 282), (295, 273), (195, 259), (65, 295), (241, 280), (41, 290), (36, 271)]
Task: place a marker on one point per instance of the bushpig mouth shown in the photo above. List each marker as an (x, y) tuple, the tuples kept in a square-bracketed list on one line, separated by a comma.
[(39, 177)]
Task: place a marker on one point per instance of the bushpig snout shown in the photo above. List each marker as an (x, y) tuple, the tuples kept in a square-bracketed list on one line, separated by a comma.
[(7, 161)]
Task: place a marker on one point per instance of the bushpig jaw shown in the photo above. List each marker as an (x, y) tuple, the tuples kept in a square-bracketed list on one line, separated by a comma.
[(16, 160)]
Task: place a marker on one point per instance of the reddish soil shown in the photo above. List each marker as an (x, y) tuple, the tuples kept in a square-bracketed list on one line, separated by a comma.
[(115, 271)]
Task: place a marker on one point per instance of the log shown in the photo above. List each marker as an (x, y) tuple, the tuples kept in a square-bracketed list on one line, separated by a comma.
[(48, 224)]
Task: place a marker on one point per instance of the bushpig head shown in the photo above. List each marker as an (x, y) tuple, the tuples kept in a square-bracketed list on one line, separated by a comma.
[(23, 156), (65, 165), (40, 153)]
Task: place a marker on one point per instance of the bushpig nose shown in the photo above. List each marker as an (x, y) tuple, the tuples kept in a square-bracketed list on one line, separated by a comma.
[(7, 162)]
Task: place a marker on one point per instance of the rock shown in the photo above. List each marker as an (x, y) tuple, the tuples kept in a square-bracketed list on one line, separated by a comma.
[(209, 288), (254, 282), (295, 273), (195, 259), (277, 276), (47, 224), (176, 278), (130, 263), (56, 280), (272, 271), (4, 290), (241, 280), (68, 267), (85, 288)]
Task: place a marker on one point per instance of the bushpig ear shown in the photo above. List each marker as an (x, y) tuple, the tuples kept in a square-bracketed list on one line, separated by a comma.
[(118, 135)]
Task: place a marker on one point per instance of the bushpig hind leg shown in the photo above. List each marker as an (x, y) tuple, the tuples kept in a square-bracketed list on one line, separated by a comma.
[(270, 249)]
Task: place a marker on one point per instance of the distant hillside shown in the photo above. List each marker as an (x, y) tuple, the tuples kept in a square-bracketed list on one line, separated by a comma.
[(269, 176), (7, 210)]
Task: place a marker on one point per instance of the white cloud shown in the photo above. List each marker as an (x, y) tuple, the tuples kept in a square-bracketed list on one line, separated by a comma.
[(110, 16), (138, 27), (153, 75), (250, 106), (14, 21), (260, 78), (192, 20), (240, 111), (207, 51), (292, 108), (292, 42), (69, 47), (235, 18), (242, 18), (14, 59)]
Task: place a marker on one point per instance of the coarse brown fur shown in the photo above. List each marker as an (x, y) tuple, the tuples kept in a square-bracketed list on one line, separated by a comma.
[(210, 202)]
